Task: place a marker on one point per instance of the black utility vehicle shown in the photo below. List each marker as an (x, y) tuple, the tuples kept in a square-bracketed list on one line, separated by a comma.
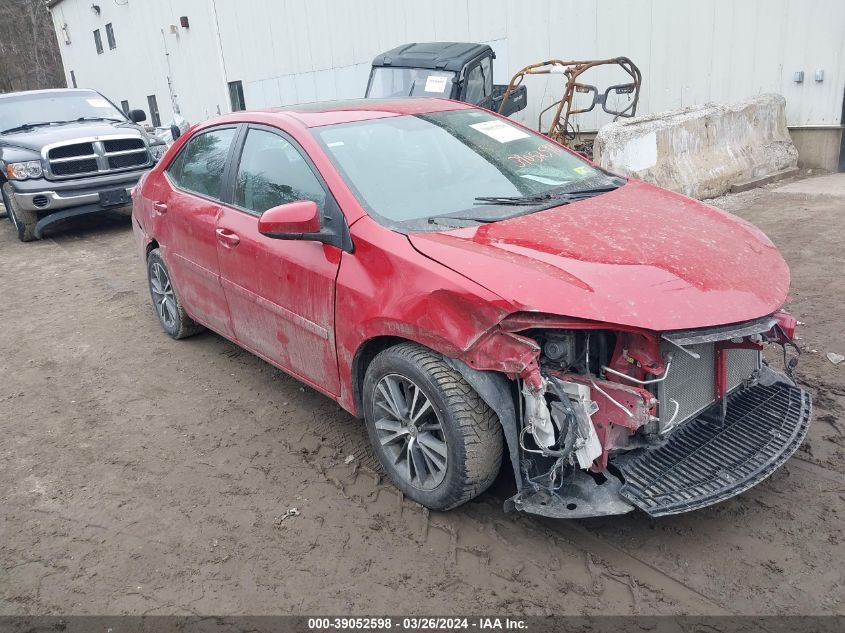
[(66, 153), (457, 70)]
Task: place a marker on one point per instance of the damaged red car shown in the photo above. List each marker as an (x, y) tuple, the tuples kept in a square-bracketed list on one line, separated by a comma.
[(480, 295)]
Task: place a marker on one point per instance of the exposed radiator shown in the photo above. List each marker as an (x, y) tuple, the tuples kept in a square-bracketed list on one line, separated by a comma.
[(691, 382)]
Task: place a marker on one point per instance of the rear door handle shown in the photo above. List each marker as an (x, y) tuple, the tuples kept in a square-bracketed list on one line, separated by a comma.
[(228, 238), (160, 208)]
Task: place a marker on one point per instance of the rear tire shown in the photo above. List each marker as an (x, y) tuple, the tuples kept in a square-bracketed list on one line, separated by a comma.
[(168, 309), (23, 221), (454, 451)]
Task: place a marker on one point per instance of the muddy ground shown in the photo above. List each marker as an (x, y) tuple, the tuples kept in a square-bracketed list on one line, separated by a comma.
[(143, 475)]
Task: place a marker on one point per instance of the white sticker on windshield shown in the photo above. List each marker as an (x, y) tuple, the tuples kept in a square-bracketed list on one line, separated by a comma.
[(98, 103), (499, 131), (543, 179), (436, 83)]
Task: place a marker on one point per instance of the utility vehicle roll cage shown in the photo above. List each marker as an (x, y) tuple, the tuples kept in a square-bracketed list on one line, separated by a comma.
[(561, 128)]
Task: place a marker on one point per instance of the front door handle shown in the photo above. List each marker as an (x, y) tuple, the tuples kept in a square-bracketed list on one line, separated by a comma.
[(160, 208), (228, 238)]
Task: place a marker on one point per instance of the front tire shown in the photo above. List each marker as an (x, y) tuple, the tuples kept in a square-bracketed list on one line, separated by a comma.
[(23, 221), (438, 441), (169, 310)]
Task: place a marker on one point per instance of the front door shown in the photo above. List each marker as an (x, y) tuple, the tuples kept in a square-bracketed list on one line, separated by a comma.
[(280, 292), (478, 85), (187, 214)]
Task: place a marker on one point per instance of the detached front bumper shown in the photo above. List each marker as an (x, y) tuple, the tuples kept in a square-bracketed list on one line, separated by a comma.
[(705, 461)]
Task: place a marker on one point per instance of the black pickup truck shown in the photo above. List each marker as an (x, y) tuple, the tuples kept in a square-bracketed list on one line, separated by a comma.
[(456, 70), (66, 153)]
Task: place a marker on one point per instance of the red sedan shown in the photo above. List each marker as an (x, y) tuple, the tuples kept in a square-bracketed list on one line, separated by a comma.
[(473, 290)]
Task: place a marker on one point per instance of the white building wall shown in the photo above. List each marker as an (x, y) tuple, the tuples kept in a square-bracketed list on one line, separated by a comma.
[(294, 51)]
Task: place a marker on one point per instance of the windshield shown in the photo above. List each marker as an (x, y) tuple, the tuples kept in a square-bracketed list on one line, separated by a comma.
[(410, 82), (408, 171), (55, 107)]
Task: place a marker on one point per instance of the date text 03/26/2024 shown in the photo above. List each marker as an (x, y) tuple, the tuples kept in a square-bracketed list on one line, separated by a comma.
[(415, 624)]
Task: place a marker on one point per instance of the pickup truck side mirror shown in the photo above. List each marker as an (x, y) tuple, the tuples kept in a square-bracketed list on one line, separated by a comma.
[(136, 116), (175, 132), (292, 221)]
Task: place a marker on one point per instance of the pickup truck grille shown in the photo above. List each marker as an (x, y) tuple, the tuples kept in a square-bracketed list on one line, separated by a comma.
[(74, 167), (101, 155)]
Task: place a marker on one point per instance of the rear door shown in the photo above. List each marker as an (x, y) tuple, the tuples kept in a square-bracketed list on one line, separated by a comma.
[(187, 214), (280, 292)]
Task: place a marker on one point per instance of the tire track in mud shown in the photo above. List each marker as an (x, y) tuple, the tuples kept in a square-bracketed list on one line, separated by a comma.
[(468, 535)]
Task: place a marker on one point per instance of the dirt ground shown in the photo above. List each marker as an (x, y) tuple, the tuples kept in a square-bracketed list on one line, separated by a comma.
[(142, 475)]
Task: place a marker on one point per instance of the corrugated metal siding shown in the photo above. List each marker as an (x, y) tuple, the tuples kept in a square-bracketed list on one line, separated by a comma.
[(292, 51)]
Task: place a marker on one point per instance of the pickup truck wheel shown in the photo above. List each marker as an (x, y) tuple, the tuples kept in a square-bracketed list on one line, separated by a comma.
[(171, 315), (438, 441), (23, 221)]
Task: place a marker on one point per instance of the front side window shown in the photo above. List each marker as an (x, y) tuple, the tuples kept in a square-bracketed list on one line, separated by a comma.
[(409, 82), (410, 170), (272, 172), (487, 71), (98, 42), (200, 165), (475, 85)]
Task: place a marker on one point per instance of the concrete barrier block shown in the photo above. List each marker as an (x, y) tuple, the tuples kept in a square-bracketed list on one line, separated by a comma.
[(702, 150)]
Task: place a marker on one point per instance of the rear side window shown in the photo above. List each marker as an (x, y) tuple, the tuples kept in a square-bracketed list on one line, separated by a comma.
[(200, 165), (272, 172)]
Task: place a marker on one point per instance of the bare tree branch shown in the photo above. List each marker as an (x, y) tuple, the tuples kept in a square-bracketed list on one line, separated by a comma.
[(28, 47)]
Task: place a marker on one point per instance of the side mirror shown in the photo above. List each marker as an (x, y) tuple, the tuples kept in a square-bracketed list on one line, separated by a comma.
[(292, 221), (175, 132), (622, 89), (136, 116)]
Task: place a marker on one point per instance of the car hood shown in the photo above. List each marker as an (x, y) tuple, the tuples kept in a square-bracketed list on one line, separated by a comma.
[(639, 256), (38, 137)]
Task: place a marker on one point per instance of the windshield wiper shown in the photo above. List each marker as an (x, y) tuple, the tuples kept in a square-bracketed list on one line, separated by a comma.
[(568, 195), (26, 126), (516, 200), (92, 118), (591, 190)]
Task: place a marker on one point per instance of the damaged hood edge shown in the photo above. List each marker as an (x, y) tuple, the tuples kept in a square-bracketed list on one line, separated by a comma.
[(638, 256)]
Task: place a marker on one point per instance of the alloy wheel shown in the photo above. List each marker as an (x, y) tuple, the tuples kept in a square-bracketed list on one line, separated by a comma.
[(163, 297), (410, 432)]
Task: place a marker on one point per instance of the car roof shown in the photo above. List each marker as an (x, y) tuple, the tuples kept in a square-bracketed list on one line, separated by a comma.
[(350, 110), (433, 55)]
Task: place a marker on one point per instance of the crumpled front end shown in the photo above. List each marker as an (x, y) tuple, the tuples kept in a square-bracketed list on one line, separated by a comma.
[(612, 420)]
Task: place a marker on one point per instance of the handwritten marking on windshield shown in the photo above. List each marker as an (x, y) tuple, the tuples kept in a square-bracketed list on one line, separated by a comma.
[(538, 155)]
